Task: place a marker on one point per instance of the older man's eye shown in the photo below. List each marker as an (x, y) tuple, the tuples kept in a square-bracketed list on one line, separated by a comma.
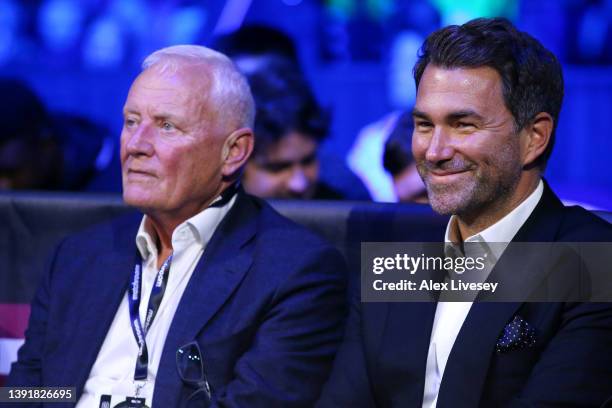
[(168, 127), (129, 122)]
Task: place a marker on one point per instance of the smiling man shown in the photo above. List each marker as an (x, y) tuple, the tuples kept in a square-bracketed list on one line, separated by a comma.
[(210, 298), (488, 101)]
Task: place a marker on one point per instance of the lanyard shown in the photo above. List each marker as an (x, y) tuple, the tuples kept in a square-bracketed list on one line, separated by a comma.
[(157, 294)]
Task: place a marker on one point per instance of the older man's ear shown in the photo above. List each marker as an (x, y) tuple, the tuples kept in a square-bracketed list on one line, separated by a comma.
[(237, 150)]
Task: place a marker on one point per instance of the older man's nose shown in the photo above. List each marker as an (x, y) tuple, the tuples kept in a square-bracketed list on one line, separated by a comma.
[(139, 141)]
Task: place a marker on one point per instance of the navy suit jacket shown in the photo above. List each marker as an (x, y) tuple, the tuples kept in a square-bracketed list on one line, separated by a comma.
[(266, 303), (382, 360)]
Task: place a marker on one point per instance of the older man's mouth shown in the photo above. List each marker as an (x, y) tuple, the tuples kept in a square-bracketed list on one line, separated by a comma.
[(135, 174)]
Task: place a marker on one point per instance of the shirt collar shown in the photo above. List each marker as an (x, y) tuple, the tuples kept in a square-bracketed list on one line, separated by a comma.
[(198, 229), (506, 228), (492, 241)]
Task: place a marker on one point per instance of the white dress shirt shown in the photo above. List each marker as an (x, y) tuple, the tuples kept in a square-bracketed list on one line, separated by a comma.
[(450, 316), (113, 370)]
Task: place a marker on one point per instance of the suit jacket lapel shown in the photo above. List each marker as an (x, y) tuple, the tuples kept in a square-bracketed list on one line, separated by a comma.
[(405, 344), (100, 300), (217, 274), (544, 222), (475, 343), (403, 352)]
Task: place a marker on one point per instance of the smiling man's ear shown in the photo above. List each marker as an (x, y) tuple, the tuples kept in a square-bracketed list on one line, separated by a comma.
[(237, 150), (537, 137)]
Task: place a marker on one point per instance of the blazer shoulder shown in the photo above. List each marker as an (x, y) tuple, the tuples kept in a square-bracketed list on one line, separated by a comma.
[(579, 224), (106, 235), (276, 228), (553, 221)]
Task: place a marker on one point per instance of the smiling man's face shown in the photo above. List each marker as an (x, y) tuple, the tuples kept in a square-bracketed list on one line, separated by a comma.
[(465, 143)]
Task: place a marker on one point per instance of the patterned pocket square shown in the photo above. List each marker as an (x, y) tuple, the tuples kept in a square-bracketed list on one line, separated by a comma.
[(517, 335)]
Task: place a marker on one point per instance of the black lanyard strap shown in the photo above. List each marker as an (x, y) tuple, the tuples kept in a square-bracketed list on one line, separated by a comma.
[(155, 299)]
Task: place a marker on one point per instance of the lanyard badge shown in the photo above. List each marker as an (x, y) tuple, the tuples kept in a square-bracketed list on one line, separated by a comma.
[(130, 402)]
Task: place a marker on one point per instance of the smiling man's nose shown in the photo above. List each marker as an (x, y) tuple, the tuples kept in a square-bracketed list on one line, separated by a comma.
[(440, 147)]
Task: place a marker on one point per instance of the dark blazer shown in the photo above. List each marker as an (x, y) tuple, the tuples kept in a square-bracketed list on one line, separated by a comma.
[(382, 360), (266, 303)]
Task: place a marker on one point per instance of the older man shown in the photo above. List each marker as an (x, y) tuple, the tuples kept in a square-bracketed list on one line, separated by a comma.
[(211, 297), (487, 105)]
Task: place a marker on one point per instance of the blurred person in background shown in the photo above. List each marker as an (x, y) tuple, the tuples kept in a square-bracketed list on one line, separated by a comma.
[(90, 154), (30, 157), (270, 59), (410, 24), (43, 150), (399, 162), (289, 127), (250, 47)]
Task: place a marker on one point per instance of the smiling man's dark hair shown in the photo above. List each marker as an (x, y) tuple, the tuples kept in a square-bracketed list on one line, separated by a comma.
[(531, 76)]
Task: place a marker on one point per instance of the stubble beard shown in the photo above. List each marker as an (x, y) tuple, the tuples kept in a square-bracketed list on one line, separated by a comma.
[(481, 191)]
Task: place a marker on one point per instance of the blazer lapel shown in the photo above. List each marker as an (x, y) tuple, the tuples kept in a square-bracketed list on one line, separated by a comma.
[(544, 222), (469, 359), (405, 344), (221, 268), (403, 353), (100, 300)]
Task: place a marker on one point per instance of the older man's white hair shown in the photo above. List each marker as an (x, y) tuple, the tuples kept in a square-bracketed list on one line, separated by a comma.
[(230, 94)]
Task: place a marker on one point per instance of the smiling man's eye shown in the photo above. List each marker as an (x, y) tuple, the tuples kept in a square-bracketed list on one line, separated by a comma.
[(465, 125), (423, 125)]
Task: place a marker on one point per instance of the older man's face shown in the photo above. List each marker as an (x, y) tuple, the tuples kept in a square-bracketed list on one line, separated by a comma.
[(464, 141), (171, 150)]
